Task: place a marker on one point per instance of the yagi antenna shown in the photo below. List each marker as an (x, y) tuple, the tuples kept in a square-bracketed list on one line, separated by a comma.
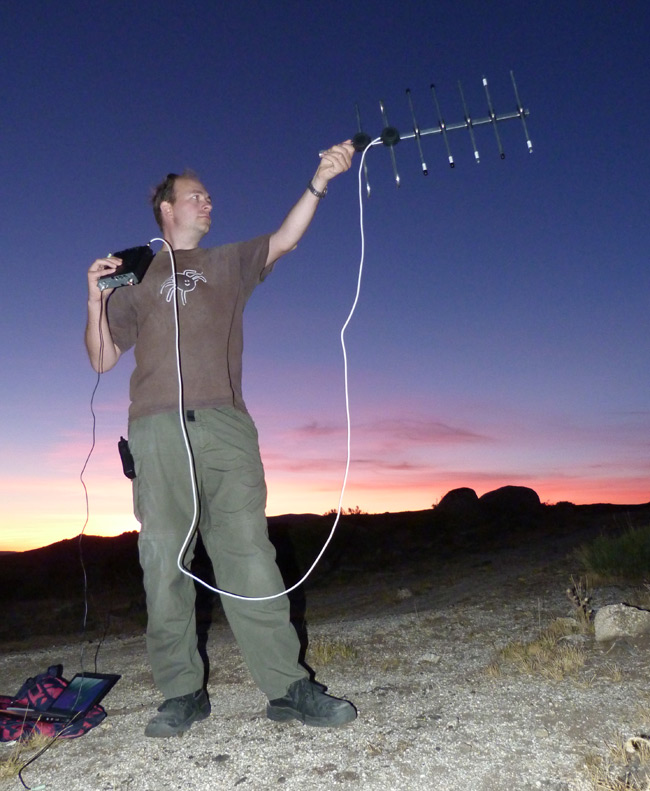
[(390, 136)]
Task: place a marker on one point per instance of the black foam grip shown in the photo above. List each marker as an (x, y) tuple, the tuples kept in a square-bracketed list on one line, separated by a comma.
[(361, 141), (390, 136)]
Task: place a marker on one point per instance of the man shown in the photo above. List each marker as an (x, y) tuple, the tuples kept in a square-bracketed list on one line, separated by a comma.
[(211, 288)]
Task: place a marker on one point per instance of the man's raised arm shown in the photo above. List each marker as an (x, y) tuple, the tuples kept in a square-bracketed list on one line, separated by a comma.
[(334, 161)]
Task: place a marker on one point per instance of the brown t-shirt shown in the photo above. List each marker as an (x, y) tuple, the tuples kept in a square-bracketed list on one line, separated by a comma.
[(212, 287)]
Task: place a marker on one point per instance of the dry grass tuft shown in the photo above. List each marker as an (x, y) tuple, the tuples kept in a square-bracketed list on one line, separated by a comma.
[(549, 656), (323, 651), (627, 768), (20, 752)]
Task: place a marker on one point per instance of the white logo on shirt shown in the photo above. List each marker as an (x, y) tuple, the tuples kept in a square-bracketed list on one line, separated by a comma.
[(183, 282)]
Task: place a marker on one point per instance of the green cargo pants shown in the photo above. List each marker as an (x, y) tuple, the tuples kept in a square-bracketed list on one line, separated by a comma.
[(230, 482)]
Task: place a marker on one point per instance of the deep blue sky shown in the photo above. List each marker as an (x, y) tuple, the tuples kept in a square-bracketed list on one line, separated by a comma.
[(502, 331)]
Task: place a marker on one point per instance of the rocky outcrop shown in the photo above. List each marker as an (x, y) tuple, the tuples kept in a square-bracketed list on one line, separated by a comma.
[(462, 502), (621, 620), (511, 500)]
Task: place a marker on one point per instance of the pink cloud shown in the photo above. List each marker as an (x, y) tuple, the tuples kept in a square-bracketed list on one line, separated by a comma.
[(421, 432), (408, 431)]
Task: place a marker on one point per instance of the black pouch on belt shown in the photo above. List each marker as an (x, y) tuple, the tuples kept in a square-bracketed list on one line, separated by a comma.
[(128, 464)]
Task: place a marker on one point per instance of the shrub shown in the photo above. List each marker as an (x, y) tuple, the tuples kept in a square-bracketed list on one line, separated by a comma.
[(621, 558)]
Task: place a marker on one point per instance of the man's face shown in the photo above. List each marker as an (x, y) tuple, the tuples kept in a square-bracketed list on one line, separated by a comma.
[(190, 211)]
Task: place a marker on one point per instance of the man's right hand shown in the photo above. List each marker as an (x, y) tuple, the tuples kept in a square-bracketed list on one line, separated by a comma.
[(102, 351), (99, 268)]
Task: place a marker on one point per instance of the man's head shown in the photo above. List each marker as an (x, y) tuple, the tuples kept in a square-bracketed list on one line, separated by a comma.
[(182, 206)]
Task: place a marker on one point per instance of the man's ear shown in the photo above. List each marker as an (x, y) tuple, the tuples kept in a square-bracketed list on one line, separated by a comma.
[(166, 208)]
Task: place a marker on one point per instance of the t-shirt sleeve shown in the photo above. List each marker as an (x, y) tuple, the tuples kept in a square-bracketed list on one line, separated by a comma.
[(252, 261), (122, 318)]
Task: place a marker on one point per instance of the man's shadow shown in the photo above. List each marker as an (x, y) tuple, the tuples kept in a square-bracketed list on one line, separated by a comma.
[(206, 599), (291, 574)]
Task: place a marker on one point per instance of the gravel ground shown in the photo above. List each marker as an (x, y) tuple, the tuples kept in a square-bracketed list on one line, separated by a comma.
[(413, 651)]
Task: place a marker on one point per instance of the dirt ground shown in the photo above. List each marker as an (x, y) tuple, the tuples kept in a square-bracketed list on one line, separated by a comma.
[(417, 651)]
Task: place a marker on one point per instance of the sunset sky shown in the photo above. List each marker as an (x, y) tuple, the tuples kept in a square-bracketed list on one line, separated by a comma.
[(502, 332)]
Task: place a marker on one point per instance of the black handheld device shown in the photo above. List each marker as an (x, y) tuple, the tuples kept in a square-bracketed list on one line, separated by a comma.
[(135, 262), (128, 465)]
